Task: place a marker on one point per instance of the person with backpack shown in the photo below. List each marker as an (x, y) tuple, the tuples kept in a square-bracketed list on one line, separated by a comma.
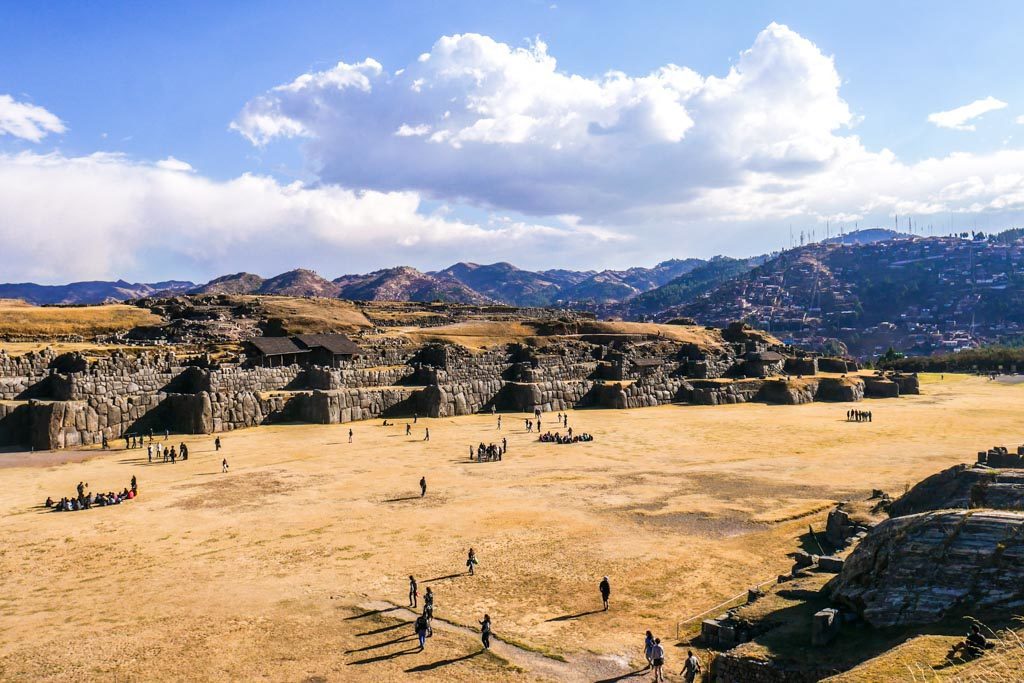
[(421, 630), (691, 669), (428, 610), (471, 561)]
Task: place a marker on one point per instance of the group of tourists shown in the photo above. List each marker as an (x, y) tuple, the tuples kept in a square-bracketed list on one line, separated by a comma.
[(489, 452), (561, 419), (85, 499), (858, 416), (424, 624), (654, 652), (556, 437), (139, 440), (167, 454)]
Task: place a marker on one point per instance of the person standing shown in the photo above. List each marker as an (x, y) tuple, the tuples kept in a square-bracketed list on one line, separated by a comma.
[(414, 591), (485, 632), (350, 436), (691, 669), (423, 486), (499, 422), (658, 660), (224, 465), (471, 561), (149, 452), (216, 443), (649, 649), (426, 436), (504, 445), (606, 591)]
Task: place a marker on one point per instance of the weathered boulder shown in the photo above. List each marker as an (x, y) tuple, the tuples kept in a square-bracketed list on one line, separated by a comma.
[(841, 389), (918, 568), (877, 387), (790, 392)]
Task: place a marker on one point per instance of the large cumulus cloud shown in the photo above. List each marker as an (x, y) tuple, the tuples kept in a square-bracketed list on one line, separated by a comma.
[(667, 155)]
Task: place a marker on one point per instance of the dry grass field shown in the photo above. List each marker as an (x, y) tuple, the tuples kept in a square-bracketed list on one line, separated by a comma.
[(19, 320), (290, 566)]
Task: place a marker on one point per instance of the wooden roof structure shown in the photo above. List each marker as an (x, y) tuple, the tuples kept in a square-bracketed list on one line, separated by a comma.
[(337, 344), (276, 346)]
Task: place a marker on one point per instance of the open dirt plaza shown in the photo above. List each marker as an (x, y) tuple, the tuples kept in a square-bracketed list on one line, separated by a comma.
[(294, 564)]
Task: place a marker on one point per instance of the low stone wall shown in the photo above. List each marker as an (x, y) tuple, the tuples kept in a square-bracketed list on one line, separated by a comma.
[(82, 385), (460, 398), (347, 405), (525, 397), (641, 394), (731, 667), (328, 379), (717, 393), (253, 379)]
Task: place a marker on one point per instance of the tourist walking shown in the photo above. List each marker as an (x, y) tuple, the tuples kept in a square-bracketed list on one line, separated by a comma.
[(649, 649), (485, 632), (414, 591), (658, 660), (224, 465), (426, 436), (428, 611), (471, 561), (149, 452), (421, 630), (216, 443), (350, 436), (606, 591), (423, 486), (408, 429), (691, 669)]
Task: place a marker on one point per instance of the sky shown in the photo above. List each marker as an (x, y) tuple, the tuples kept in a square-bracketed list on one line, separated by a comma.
[(154, 141)]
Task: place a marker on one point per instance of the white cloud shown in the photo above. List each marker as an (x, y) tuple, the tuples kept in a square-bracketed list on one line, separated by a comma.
[(1020, 119), (405, 130), (958, 118), (27, 121), (172, 164), (509, 130), (667, 157), (104, 215)]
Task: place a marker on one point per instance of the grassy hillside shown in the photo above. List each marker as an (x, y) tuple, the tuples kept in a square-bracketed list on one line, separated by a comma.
[(19, 320)]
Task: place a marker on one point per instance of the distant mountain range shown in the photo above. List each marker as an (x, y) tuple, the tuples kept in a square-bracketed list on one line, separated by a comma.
[(468, 283), (864, 291)]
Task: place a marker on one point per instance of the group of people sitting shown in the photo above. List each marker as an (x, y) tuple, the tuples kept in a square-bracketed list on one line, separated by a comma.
[(85, 500), (556, 437), (487, 453), (858, 416)]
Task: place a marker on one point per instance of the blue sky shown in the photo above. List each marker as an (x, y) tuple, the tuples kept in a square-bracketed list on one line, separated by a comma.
[(149, 82)]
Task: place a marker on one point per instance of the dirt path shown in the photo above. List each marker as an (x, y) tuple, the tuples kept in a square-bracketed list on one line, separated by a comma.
[(580, 667)]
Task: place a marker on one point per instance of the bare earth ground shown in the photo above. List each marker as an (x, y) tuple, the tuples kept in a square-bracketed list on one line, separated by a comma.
[(286, 568)]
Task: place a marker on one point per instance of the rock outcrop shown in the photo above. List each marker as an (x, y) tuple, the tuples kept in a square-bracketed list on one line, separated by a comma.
[(919, 568)]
